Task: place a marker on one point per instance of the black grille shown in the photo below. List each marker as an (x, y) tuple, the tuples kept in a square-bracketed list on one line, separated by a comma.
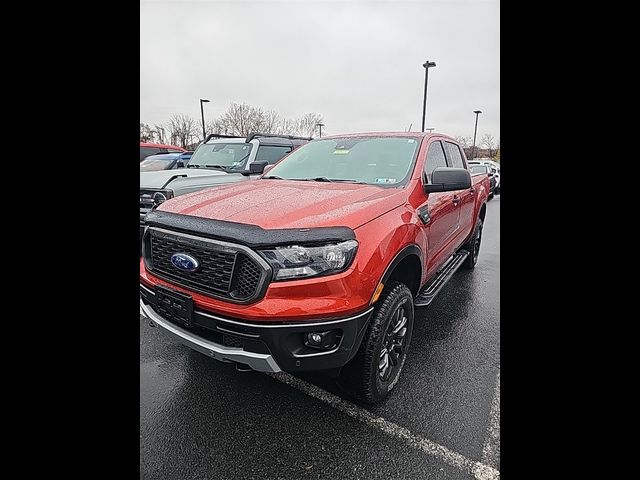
[(248, 278), (232, 341), (222, 271)]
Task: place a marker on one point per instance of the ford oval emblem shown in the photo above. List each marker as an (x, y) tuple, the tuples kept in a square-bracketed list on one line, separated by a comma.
[(184, 262)]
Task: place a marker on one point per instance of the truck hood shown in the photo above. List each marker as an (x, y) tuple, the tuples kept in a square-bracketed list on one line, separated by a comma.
[(159, 178), (275, 204)]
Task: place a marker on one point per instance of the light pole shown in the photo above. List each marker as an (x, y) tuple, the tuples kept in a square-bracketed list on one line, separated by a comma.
[(475, 130), (426, 66), (204, 133), (320, 125)]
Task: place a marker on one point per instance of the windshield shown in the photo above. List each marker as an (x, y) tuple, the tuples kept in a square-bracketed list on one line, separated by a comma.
[(475, 169), (146, 151), (383, 161), (158, 162), (221, 154)]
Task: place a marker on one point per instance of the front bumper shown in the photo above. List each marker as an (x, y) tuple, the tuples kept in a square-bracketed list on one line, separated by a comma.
[(264, 348)]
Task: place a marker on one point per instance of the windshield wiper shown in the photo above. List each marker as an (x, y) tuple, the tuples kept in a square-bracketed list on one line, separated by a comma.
[(219, 167), (348, 181), (325, 179), (193, 165), (275, 177), (317, 179)]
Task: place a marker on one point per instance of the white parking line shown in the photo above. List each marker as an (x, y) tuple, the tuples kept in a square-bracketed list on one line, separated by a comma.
[(491, 449), (479, 470)]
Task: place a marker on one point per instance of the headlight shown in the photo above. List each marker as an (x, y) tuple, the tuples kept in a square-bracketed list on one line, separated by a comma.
[(301, 262), (162, 196)]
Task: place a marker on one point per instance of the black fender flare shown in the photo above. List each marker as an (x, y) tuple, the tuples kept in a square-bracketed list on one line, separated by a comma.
[(412, 249)]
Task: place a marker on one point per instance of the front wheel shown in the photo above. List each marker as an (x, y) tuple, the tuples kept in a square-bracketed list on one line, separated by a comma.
[(375, 369)]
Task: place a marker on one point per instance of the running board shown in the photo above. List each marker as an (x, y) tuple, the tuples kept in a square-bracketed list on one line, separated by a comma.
[(431, 289)]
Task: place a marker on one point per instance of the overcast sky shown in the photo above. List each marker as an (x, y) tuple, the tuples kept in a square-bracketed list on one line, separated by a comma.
[(357, 63)]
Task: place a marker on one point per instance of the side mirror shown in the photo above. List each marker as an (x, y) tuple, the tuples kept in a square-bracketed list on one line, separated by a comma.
[(180, 164), (445, 179), (268, 167), (257, 167)]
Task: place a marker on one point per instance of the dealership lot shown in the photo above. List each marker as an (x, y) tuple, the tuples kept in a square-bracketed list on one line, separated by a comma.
[(202, 419)]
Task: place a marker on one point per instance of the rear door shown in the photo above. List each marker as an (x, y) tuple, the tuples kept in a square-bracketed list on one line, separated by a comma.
[(438, 213), (464, 198)]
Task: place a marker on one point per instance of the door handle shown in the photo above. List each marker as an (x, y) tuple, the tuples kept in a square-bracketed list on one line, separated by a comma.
[(456, 200)]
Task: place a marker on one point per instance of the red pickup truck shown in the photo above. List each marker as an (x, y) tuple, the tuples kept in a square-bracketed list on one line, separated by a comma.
[(317, 265)]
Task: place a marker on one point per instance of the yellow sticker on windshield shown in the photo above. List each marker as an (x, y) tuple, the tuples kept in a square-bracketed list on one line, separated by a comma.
[(341, 152)]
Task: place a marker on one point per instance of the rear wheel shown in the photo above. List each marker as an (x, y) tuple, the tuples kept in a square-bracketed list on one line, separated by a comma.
[(473, 247), (376, 368)]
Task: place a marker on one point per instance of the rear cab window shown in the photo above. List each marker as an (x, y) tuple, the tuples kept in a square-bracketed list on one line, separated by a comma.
[(454, 155)]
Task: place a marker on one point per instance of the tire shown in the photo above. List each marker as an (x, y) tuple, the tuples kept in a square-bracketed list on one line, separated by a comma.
[(364, 377), (473, 247)]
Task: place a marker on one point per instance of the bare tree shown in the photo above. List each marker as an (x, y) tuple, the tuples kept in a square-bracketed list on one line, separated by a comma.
[(239, 120), (181, 128), (146, 132), (160, 133), (463, 141), (308, 124), (242, 119), (288, 126), (489, 143)]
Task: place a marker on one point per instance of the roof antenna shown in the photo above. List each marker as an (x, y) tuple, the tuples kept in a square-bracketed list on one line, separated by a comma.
[(410, 125)]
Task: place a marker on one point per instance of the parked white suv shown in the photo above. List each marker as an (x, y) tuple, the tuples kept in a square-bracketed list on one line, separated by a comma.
[(495, 169)]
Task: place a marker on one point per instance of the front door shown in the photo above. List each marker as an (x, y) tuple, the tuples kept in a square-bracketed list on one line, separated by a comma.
[(439, 212)]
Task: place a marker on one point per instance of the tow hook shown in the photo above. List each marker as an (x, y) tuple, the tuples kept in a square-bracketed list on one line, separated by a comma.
[(152, 324), (241, 367)]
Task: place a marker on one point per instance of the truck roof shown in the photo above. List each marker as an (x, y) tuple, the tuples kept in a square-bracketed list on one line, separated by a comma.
[(390, 134), (264, 139)]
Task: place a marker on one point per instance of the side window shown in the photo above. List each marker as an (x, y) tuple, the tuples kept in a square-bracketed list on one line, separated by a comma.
[(269, 154), (455, 157), (435, 158)]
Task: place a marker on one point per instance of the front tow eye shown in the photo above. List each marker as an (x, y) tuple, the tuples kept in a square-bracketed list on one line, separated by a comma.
[(241, 367), (152, 324)]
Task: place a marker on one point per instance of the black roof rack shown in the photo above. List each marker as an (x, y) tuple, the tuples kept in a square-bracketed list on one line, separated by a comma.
[(253, 135), (218, 135)]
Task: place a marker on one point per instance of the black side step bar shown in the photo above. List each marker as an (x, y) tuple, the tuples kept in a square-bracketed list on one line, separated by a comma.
[(431, 289)]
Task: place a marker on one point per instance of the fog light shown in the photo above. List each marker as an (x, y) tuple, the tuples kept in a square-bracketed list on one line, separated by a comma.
[(322, 340)]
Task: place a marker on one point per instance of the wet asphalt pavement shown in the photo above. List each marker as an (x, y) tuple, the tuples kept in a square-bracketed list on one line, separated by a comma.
[(200, 419)]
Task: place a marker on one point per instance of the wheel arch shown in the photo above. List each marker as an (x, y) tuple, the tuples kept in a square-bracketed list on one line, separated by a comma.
[(406, 267)]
